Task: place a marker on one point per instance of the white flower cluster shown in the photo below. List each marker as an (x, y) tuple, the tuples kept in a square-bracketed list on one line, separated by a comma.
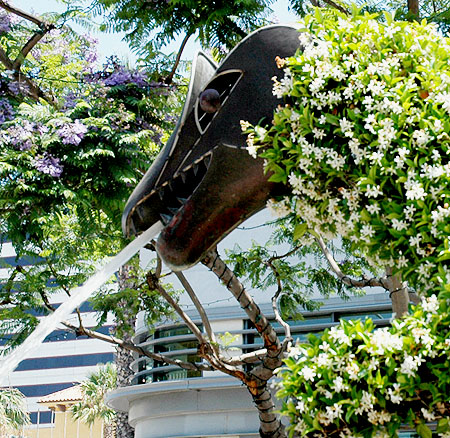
[(355, 108)]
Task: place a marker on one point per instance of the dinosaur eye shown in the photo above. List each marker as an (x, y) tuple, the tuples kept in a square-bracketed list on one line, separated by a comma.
[(214, 97), (210, 101)]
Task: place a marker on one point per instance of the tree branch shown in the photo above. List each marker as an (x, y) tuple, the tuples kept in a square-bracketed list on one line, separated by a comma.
[(247, 358), (13, 10), (154, 284), (205, 349), (336, 6), (364, 282), (132, 347), (34, 91), (398, 294), (213, 261), (284, 324), (169, 78), (26, 49), (198, 306)]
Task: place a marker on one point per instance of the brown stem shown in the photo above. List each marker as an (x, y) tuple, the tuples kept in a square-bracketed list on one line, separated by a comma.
[(12, 9), (336, 6), (413, 9), (131, 347), (364, 282), (169, 78), (198, 305), (213, 261)]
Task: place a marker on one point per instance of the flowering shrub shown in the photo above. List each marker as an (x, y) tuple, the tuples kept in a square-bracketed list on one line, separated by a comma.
[(89, 152), (363, 139), (354, 381)]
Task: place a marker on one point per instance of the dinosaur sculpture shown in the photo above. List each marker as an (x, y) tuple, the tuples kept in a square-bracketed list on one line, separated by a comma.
[(204, 183)]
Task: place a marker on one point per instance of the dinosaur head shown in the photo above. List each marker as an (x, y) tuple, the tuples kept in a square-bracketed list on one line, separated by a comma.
[(204, 183)]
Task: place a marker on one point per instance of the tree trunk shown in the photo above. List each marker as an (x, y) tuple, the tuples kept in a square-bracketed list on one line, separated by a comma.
[(413, 9), (123, 359), (398, 294), (269, 420)]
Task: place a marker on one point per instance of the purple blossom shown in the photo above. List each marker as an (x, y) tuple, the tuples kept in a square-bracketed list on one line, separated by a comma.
[(49, 165), (6, 111), (17, 88), (5, 22), (121, 76), (70, 100), (21, 136), (72, 133)]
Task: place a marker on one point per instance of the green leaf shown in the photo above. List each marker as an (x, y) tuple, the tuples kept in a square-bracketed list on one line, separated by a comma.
[(300, 230), (424, 431)]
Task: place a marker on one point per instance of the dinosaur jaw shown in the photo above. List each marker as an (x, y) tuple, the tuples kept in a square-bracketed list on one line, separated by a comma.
[(224, 198), (204, 202)]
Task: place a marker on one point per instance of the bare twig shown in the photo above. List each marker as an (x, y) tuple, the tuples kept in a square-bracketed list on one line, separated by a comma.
[(13, 10), (132, 347), (336, 6), (364, 282), (170, 76), (65, 289), (198, 305), (154, 284), (284, 324)]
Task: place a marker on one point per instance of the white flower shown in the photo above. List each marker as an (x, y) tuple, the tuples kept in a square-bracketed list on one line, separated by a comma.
[(430, 304), (324, 359), (339, 385), (373, 208), (411, 364), (301, 406), (371, 121), (346, 127), (376, 157), (421, 137), (415, 240), (414, 190), (284, 86), (391, 30), (322, 120), (393, 394), (308, 373), (399, 225), (318, 133), (373, 191), (279, 208), (367, 401), (375, 87), (367, 232), (428, 415), (352, 369), (337, 334), (334, 411), (260, 132), (316, 85), (244, 125), (409, 211), (382, 341)]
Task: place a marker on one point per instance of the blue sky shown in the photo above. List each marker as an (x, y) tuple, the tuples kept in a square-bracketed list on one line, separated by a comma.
[(112, 44)]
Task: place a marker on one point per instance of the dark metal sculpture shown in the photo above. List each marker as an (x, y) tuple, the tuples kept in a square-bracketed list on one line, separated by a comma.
[(204, 183)]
